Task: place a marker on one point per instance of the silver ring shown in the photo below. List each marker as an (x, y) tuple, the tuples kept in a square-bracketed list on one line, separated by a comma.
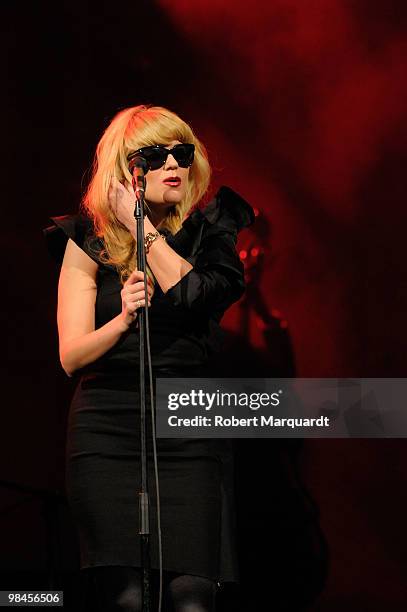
[(138, 303)]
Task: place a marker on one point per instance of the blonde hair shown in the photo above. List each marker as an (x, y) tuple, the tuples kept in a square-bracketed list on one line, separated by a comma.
[(131, 129)]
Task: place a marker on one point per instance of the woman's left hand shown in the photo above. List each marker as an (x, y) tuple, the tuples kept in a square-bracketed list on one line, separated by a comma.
[(122, 201)]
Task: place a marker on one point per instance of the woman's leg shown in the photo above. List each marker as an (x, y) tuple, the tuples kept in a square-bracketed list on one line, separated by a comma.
[(113, 589), (119, 589), (189, 593)]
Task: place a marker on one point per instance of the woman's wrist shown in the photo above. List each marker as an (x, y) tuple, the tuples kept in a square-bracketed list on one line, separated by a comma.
[(148, 227), (133, 229), (122, 323)]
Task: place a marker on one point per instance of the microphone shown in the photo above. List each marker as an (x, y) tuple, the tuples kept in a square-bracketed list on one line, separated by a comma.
[(139, 164), (138, 167)]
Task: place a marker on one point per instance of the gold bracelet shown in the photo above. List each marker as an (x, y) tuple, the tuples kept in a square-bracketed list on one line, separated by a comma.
[(149, 239)]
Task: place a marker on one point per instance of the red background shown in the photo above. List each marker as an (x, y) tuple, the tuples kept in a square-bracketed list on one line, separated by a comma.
[(302, 107)]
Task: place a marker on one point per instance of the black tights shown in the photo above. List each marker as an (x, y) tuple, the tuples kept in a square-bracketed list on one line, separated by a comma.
[(117, 588)]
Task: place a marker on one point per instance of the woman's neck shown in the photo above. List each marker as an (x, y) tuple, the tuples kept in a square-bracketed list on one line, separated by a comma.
[(157, 214)]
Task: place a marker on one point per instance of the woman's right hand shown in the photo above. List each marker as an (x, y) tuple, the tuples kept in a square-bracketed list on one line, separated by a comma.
[(133, 296)]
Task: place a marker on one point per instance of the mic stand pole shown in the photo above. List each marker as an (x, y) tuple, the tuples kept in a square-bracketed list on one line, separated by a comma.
[(144, 526)]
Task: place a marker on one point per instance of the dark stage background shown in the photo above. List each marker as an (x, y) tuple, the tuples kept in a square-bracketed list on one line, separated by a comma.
[(301, 104)]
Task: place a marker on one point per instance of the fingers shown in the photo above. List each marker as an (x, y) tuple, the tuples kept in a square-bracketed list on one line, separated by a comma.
[(138, 295), (117, 191), (139, 288), (132, 307), (129, 188), (116, 185), (133, 302), (133, 293), (137, 276), (112, 193)]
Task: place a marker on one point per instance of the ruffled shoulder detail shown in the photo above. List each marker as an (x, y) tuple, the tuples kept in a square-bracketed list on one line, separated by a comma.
[(79, 228), (227, 213), (229, 210)]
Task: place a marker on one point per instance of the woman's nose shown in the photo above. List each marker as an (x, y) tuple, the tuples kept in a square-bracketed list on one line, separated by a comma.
[(170, 163)]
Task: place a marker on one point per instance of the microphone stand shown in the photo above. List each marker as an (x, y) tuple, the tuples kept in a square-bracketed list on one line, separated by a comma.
[(144, 526)]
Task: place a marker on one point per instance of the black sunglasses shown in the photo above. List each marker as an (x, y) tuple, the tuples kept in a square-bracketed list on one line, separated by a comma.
[(156, 155)]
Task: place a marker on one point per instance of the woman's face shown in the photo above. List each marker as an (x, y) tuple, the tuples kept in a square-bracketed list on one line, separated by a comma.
[(166, 186)]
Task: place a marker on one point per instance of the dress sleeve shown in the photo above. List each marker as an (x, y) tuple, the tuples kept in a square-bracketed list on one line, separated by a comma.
[(217, 279), (77, 227)]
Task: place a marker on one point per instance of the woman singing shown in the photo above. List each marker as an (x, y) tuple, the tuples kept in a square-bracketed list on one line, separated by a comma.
[(194, 275)]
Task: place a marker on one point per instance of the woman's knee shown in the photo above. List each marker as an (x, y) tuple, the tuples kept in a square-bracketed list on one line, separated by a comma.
[(190, 593), (114, 589)]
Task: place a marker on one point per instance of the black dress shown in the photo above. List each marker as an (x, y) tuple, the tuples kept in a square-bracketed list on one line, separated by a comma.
[(195, 475)]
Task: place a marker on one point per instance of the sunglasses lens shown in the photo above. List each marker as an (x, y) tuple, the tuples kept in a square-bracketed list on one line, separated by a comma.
[(155, 157), (184, 154)]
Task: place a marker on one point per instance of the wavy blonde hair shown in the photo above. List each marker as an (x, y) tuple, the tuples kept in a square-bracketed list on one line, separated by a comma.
[(131, 129)]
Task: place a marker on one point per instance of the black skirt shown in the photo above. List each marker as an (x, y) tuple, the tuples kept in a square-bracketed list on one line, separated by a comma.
[(196, 483)]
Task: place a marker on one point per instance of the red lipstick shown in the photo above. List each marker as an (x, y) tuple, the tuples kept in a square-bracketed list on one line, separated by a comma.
[(172, 181)]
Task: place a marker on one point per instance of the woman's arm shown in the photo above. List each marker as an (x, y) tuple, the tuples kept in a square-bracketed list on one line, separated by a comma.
[(167, 266), (79, 342), (217, 278)]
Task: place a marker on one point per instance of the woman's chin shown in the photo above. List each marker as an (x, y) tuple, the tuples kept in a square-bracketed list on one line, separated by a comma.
[(172, 195)]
